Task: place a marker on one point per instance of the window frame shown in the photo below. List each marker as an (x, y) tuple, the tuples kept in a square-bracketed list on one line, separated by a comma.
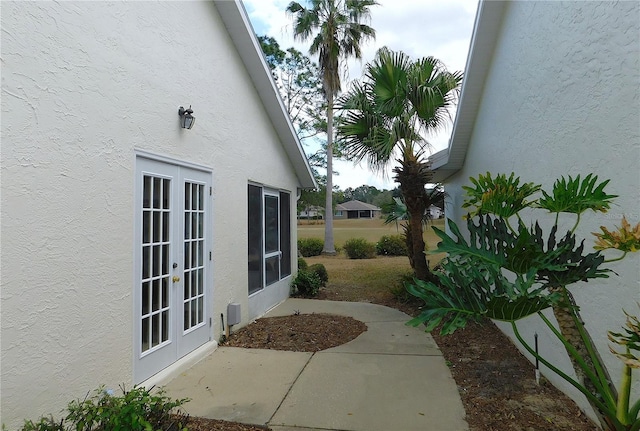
[(282, 253)]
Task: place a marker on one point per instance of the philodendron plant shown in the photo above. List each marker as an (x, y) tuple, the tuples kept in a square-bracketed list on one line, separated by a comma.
[(509, 270)]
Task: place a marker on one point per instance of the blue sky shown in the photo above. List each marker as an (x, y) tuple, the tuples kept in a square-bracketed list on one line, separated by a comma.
[(420, 28)]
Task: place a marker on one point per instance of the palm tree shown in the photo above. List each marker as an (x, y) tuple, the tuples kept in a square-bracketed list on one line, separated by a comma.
[(337, 30), (388, 113)]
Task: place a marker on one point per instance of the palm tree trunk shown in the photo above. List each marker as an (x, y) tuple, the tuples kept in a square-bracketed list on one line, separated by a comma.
[(329, 247), (567, 316), (417, 240), (413, 176)]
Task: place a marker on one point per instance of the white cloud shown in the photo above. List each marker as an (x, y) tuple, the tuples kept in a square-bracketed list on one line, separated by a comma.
[(420, 28)]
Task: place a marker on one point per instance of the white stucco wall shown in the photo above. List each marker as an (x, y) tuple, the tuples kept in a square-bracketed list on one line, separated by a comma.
[(84, 85), (563, 98)]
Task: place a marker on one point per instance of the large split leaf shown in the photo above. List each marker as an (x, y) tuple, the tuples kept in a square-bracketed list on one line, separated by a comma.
[(494, 238), (503, 196), (625, 238), (568, 264), (493, 243), (470, 292), (575, 196)]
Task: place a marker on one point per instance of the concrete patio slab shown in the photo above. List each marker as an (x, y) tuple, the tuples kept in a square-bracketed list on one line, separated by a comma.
[(365, 392), (391, 338), (245, 385), (391, 377), (358, 310)]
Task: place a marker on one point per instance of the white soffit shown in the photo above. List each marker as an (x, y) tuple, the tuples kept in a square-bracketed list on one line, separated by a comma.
[(239, 28), (483, 41)]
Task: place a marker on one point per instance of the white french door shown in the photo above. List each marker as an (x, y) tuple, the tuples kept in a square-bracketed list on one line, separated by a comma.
[(172, 263)]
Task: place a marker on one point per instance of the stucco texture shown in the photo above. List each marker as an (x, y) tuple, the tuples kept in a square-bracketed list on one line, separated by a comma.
[(84, 86), (562, 97)]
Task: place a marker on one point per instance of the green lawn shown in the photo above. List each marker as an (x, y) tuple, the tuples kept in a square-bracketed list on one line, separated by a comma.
[(369, 280), (371, 230)]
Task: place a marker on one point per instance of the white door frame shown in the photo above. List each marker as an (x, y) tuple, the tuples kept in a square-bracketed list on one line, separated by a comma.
[(177, 342)]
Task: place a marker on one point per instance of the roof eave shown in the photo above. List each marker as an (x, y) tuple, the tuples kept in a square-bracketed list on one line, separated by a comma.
[(240, 30), (486, 29)]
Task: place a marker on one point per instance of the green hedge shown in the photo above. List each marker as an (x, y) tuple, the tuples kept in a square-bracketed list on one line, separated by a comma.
[(392, 245), (310, 246), (360, 248)]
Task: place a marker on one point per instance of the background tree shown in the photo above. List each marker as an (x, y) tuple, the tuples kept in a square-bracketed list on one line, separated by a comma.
[(389, 112), (315, 198), (299, 85), (272, 52), (382, 198), (337, 29), (363, 193)]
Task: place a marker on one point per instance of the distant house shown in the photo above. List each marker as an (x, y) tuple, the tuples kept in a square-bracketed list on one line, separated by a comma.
[(312, 212), (435, 212), (355, 210), (124, 235), (551, 89)]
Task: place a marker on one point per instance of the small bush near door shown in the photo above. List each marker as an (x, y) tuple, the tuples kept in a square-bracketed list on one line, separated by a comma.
[(134, 410), (302, 264), (360, 248), (306, 283), (310, 246), (320, 270)]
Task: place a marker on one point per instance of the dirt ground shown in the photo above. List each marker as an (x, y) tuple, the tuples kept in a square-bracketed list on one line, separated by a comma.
[(496, 382)]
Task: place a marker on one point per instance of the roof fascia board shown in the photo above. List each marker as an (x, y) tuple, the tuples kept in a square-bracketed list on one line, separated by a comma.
[(486, 29), (241, 31)]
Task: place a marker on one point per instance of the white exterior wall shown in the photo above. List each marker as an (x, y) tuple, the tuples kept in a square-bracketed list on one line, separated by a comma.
[(563, 98), (85, 85)]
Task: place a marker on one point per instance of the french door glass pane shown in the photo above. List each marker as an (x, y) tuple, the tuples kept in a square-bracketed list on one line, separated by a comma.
[(154, 290), (193, 255)]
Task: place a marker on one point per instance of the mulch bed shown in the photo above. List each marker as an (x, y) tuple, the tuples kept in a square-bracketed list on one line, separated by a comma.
[(298, 332)]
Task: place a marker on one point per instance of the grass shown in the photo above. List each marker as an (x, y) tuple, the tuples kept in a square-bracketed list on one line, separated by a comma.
[(356, 279)]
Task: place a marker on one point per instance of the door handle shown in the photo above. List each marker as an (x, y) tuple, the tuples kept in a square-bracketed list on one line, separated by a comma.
[(175, 279)]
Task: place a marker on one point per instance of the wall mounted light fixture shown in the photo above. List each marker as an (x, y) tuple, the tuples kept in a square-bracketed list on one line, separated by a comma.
[(187, 120)]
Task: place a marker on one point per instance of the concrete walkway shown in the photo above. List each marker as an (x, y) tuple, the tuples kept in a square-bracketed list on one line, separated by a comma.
[(392, 377)]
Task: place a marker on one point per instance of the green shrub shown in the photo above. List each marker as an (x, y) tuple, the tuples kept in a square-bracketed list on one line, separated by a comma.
[(392, 245), (43, 424), (310, 246), (320, 270), (306, 283), (134, 410), (360, 248), (302, 264)]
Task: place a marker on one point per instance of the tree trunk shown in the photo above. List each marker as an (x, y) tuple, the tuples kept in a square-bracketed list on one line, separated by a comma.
[(329, 247), (413, 177), (566, 315), (416, 211)]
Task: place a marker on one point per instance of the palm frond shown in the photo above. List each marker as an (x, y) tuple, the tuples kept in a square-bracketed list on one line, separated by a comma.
[(396, 94), (336, 31)]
